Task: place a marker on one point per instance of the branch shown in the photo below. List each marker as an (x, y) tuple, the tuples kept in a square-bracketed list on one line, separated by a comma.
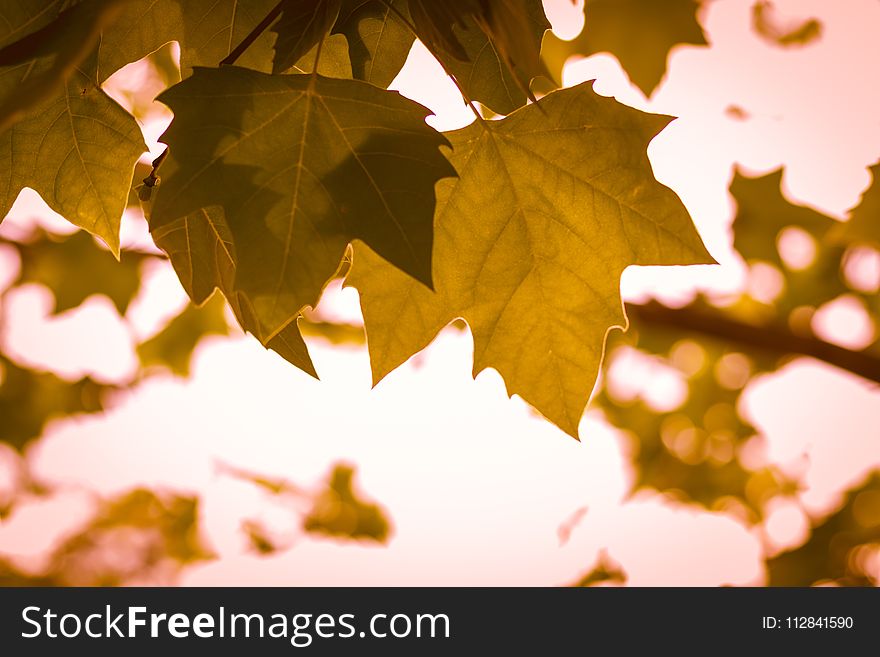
[(774, 339)]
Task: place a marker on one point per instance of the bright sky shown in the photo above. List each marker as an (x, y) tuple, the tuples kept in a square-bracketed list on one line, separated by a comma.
[(476, 484)]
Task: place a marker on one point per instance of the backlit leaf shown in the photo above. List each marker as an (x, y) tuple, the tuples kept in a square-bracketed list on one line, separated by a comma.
[(552, 204), (863, 226), (77, 148), (202, 253), (302, 165)]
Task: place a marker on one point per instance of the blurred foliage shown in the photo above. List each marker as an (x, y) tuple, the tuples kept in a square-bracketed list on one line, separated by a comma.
[(29, 399), (339, 512), (786, 34), (843, 549), (606, 571), (50, 259), (335, 510), (173, 346), (639, 33), (863, 226), (140, 537)]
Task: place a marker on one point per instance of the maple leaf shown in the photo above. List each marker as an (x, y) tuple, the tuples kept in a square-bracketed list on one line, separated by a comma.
[(378, 41), (201, 251), (302, 165), (76, 147), (863, 226), (552, 204), (639, 33), (300, 28)]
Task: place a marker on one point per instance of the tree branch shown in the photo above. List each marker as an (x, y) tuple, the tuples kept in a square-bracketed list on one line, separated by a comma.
[(774, 339)]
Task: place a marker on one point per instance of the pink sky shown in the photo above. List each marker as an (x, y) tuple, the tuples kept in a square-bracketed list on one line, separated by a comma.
[(475, 483)]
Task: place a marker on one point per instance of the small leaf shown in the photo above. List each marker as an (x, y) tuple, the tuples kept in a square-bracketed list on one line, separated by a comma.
[(339, 512), (302, 26), (552, 204), (302, 165)]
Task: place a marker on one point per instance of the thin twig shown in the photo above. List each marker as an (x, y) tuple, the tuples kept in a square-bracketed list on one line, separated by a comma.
[(254, 34)]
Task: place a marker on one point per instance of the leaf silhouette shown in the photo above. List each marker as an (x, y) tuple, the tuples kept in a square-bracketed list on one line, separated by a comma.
[(378, 41), (302, 165), (552, 204)]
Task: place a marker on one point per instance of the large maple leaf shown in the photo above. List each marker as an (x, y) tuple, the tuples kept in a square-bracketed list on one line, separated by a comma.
[(552, 204), (302, 165)]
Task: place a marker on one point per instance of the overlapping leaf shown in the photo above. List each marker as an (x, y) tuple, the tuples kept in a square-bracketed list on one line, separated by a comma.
[(302, 165), (207, 31), (77, 148), (552, 204), (301, 27), (202, 253), (378, 41)]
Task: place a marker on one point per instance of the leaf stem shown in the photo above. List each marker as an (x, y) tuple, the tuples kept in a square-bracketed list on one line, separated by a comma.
[(254, 34), (435, 55)]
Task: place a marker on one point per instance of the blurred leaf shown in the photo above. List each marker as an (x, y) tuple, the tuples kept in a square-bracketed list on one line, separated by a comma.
[(863, 226), (840, 546), (531, 241), (360, 163), (140, 537), (768, 27), (338, 511), (334, 332), (74, 268), (76, 148), (29, 399), (606, 571), (639, 33), (301, 26), (378, 41), (173, 346)]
